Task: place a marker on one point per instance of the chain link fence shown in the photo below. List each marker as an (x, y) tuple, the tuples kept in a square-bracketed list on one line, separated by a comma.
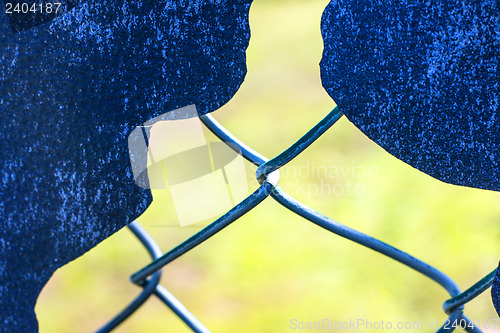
[(267, 175)]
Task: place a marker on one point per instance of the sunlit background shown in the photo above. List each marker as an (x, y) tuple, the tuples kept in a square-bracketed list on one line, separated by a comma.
[(271, 266)]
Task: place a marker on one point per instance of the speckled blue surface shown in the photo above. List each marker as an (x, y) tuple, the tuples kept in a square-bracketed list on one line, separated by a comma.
[(71, 91), (495, 290), (420, 78)]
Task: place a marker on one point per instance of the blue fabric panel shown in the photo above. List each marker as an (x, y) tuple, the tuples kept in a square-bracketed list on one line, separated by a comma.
[(420, 78), (72, 88)]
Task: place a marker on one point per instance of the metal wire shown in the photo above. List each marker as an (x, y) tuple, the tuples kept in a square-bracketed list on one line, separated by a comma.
[(468, 295), (268, 175), (150, 287), (245, 206)]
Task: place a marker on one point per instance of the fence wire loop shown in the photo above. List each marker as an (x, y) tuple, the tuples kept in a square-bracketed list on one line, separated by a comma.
[(468, 295), (267, 174)]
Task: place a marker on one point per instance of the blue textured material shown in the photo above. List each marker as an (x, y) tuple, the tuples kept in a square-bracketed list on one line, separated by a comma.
[(71, 90), (420, 78), (495, 291)]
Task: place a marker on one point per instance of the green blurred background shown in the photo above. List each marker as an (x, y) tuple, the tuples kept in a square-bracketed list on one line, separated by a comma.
[(271, 266)]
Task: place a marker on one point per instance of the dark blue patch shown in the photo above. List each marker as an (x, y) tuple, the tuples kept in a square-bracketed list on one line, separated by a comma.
[(495, 290), (420, 78), (71, 91)]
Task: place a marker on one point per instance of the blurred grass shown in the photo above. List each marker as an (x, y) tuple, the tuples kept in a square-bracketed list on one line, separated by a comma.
[(271, 266)]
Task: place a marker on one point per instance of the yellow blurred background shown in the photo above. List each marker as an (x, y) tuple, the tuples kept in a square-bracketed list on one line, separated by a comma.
[(271, 266)]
